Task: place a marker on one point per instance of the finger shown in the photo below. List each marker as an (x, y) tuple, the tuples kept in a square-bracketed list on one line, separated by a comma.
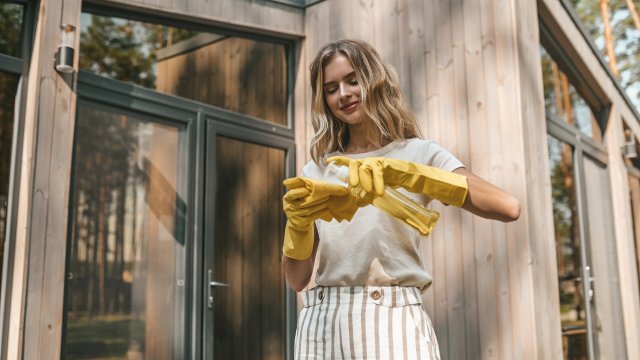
[(295, 182), (296, 194), (306, 219), (340, 160), (364, 173), (293, 210), (354, 178), (378, 177)]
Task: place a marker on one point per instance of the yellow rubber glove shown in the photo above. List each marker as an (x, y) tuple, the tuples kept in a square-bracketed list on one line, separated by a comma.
[(372, 174), (306, 201)]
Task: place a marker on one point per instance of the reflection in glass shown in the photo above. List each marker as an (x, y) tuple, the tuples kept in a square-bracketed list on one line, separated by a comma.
[(563, 102), (8, 89), (568, 243), (11, 16), (624, 34), (237, 74), (249, 324), (126, 286)]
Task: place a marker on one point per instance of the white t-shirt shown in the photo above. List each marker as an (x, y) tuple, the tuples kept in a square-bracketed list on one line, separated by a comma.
[(375, 248)]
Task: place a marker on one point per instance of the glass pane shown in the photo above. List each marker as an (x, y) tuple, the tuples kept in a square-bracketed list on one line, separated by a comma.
[(126, 289), (568, 243), (8, 89), (609, 328), (563, 102), (11, 16), (237, 74), (625, 37), (634, 198), (249, 317)]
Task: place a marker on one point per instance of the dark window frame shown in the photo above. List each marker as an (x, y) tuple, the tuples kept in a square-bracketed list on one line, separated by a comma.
[(297, 3), (92, 87), (291, 43)]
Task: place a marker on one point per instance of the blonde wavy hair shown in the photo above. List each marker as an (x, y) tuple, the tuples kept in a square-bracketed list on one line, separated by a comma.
[(382, 100)]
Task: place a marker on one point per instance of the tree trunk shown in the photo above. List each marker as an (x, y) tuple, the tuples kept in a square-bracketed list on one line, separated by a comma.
[(634, 13), (566, 99), (557, 89), (608, 38), (103, 212)]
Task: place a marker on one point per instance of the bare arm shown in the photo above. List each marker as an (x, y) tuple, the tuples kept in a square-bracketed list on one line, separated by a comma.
[(298, 272), (487, 200)]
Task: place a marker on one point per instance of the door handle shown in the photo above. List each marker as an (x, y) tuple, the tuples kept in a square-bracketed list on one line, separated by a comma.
[(211, 285), (590, 280)]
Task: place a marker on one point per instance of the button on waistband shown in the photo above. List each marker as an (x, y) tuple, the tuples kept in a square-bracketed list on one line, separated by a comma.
[(375, 295), (320, 295)]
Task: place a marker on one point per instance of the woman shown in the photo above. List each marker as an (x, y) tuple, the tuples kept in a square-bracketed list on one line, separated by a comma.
[(370, 275)]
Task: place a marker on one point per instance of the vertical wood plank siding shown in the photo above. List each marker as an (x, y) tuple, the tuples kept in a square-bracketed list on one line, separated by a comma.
[(468, 79), (44, 195), (251, 14)]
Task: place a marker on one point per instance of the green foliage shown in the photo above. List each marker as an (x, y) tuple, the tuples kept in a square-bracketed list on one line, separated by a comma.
[(10, 28), (625, 35), (113, 48), (125, 49)]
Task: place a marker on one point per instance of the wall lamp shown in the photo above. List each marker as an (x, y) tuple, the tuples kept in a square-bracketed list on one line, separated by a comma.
[(629, 149), (64, 55)]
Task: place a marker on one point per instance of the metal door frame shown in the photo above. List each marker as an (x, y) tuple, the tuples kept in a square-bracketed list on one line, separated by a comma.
[(215, 127), (200, 119), (582, 146)]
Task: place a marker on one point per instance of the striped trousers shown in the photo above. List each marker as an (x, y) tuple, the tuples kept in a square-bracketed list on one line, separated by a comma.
[(364, 322)]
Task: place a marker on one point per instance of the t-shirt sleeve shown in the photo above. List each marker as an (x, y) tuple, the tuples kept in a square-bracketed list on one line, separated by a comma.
[(437, 156)]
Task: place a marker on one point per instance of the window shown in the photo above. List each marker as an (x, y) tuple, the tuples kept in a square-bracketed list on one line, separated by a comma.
[(238, 74), (563, 102), (633, 167), (11, 41), (11, 20), (625, 38), (163, 217)]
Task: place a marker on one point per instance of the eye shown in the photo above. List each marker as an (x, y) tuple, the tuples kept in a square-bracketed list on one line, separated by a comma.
[(353, 81), (330, 90)]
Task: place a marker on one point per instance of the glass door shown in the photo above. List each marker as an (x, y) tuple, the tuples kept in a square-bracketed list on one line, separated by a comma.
[(176, 228), (246, 293), (129, 241), (571, 252)]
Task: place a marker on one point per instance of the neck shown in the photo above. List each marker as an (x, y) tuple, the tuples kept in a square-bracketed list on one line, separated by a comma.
[(359, 144)]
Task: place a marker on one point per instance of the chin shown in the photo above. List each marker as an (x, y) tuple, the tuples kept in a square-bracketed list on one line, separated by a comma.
[(352, 119)]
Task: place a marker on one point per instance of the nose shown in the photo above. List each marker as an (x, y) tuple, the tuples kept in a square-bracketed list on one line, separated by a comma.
[(344, 90)]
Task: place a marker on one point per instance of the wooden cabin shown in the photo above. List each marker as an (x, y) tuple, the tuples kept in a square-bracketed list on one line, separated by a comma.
[(141, 174)]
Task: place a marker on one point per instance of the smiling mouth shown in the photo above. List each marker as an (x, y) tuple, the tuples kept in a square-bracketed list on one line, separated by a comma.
[(349, 106)]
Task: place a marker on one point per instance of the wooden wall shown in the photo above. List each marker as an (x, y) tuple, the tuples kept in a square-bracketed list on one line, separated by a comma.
[(471, 71), (261, 15)]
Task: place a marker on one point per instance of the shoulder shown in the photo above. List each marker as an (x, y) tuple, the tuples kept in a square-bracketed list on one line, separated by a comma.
[(419, 149), (432, 154)]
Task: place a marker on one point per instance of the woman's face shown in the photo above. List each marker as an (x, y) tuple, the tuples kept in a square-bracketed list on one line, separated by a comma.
[(342, 91)]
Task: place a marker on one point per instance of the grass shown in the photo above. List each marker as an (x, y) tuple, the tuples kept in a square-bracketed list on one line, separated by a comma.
[(103, 337)]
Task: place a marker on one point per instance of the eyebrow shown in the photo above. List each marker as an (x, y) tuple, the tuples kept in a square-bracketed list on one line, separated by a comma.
[(346, 76)]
